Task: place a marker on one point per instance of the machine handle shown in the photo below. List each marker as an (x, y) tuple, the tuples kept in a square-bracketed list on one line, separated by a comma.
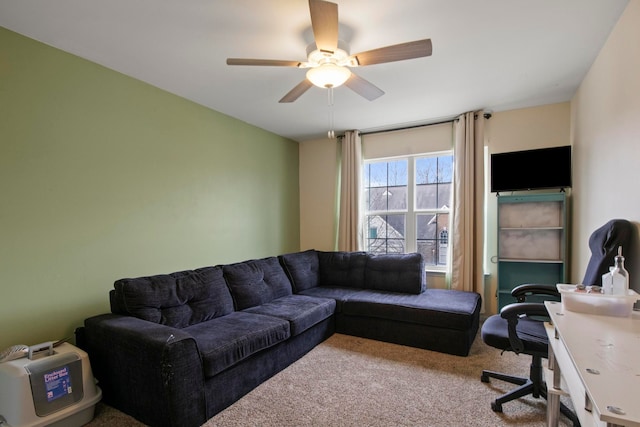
[(48, 346)]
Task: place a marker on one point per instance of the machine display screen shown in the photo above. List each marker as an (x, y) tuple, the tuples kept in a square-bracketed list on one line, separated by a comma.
[(57, 383)]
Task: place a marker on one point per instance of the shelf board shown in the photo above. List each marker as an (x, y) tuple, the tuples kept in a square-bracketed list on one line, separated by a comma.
[(539, 261), (531, 228)]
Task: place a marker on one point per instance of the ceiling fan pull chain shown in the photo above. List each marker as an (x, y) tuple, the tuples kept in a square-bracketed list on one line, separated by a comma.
[(331, 134)]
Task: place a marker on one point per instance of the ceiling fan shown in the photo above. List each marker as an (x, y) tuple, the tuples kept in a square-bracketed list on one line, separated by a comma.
[(328, 59)]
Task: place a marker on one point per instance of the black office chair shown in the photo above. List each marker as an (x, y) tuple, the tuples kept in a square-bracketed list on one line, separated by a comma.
[(519, 328)]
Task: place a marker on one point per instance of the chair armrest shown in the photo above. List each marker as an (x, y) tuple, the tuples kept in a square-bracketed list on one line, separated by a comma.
[(513, 312), (156, 366), (521, 292), (517, 309)]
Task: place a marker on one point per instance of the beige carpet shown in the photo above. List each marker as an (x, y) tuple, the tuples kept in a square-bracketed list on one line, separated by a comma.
[(351, 381)]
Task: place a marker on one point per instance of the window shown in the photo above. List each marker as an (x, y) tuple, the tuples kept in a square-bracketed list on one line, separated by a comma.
[(407, 203)]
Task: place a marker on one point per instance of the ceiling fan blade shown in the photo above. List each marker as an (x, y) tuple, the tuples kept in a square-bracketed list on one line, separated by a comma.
[(398, 52), (324, 21), (297, 91), (363, 87), (268, 62)]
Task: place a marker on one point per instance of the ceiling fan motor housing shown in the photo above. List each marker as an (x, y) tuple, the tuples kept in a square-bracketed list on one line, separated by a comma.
[(340, 56)]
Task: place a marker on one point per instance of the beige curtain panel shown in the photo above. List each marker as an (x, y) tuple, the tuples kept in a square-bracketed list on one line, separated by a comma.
[(349, 224), (468, 209)]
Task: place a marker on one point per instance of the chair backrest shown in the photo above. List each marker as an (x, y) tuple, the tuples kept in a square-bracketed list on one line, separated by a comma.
[(604, 244)]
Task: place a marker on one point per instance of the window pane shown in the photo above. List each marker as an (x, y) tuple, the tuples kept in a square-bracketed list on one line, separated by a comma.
[(433, 182), (427, 196), (385, 185), (385, 233), (433, 237), (426, 170), (444, 195), (386, 198), (445, 169)]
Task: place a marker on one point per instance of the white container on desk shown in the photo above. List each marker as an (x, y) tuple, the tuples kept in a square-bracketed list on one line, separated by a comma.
[(581, 301)]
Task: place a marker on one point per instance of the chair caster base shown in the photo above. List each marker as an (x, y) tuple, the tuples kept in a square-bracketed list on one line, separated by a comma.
[(496, 407)]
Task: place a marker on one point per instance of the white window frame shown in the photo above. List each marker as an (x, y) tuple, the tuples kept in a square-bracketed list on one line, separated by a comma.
[(411, 213)]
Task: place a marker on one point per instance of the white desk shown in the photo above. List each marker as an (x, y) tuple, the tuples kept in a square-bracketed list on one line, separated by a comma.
[(610, 346)]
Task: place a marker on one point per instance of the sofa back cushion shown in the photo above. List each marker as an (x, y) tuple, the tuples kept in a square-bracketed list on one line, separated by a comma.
[(177, 299), (342, 269), (396, 272), (302, 269), (256, 282)]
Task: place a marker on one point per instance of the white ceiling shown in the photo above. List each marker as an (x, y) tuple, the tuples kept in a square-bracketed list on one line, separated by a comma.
[(492, 54)]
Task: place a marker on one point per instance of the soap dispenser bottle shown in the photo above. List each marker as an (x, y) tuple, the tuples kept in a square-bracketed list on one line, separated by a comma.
[(619, 276), (607, 282)]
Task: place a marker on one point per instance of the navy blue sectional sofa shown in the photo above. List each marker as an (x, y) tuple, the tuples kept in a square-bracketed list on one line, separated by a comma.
[(178, 348)]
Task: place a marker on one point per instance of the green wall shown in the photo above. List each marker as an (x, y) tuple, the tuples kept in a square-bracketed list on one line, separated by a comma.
[(103, 177)]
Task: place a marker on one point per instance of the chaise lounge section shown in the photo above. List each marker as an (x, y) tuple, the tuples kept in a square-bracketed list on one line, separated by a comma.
[(178, 348), (384, 297)]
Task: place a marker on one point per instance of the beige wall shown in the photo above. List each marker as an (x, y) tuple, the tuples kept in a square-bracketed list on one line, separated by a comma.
[(606, 139), (528, 128), (318, 172)]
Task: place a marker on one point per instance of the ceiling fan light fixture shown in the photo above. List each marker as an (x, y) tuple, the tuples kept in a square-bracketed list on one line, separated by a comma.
[(328, 75)]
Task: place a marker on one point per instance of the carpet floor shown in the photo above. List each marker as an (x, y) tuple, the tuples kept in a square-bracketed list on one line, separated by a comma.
[(352, 381)]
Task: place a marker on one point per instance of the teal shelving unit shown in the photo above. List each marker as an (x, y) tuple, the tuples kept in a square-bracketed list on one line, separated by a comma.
[(532, 241)]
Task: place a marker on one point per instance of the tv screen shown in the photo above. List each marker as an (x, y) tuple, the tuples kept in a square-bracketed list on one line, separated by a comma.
[(531, 169)]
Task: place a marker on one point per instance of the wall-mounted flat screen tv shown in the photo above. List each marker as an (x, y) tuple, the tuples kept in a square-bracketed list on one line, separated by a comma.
[(531, 169)]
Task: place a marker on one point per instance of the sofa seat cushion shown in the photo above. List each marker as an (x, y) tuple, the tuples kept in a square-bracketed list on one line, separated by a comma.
[(301, 311), (227, 340), (339, 295), (443, 308)]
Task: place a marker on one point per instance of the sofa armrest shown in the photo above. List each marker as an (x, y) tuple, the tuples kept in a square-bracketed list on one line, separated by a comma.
[(150, 371)]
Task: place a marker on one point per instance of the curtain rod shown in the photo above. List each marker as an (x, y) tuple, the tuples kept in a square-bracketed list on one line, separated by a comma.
[(487, 115), (409, 127)]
